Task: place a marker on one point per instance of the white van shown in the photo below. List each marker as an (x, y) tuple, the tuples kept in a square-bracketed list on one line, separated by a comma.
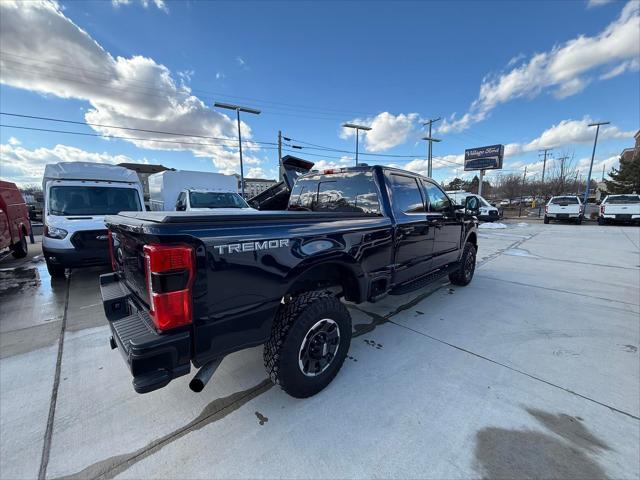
[(184, 190), (77, 196)]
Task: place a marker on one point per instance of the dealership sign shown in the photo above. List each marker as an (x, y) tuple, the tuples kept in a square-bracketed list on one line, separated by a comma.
[(484, 158)]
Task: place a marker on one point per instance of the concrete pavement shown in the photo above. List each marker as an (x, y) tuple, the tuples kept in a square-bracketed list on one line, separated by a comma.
[(530, 371)]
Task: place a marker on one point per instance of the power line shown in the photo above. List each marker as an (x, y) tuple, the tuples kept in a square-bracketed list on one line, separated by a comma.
[(121, 138), (51, 119), (331, 149)]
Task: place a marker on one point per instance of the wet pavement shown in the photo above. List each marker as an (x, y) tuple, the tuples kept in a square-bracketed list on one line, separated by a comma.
[(530, 371)]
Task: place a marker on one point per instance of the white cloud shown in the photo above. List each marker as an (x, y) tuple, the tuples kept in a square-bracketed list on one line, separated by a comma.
[(597, 3), (420, 165), (44, 51), (629, 66), (565, 133), (220, 76), (256, 172), (14, 141), (160, 4), (387, 130), (23, 166), (607, 163), (563, 70), (569, 132), (242, 63)]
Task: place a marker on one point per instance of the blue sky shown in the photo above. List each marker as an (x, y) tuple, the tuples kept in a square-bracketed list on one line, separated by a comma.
[(529, 75)]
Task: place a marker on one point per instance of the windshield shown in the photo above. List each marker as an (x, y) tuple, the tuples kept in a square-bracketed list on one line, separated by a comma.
[(216, 200), (564, 200), (483, 202), (620, 199), (84, 200)]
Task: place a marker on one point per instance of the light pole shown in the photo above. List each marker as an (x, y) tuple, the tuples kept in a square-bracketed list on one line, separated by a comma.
[(431, 140), (357, 128), (593, 154), (238, 109)]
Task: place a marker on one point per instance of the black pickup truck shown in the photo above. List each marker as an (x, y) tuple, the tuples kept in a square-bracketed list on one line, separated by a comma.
[(192, 287)]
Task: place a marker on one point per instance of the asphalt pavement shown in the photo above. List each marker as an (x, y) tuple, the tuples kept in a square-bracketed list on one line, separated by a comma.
[(531, 371)]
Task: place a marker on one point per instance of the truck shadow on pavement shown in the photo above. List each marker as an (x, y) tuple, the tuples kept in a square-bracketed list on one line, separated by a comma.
[(503, 453)]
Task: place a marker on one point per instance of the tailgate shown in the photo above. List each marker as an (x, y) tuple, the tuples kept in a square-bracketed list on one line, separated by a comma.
[(127, 252), (153, 358)]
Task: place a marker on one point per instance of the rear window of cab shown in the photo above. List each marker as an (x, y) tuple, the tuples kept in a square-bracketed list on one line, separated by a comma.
[(354, 192), (564, 201)]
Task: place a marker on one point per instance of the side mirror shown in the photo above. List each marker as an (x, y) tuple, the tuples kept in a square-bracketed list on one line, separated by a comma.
[(471, 206), (180, 206)]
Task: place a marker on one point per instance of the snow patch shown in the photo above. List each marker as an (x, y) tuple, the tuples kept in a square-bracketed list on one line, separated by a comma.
[(492, 225), (518, 252), (522, 224)]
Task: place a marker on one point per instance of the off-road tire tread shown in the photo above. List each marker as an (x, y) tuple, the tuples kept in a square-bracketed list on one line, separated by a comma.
[(457, 277), (285, 323)]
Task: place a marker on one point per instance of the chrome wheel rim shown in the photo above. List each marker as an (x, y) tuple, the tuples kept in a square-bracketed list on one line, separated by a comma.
[(319, 347)]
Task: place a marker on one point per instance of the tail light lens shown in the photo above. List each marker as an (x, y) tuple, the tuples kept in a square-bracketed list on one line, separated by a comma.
[(601, 209), (170, 271), (546, 209), (114, 265)]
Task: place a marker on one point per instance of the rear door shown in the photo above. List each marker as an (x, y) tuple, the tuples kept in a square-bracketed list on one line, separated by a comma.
[(441, 216), (414, 236)]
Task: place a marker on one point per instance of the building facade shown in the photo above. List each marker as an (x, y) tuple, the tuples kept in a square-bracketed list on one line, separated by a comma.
[(254, 186)]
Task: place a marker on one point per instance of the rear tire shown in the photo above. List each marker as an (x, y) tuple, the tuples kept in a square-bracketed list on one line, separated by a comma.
[(21, 248), (464, 274), (309, 341), (546, 220), (579, 221), (601, 221), (56, 271)]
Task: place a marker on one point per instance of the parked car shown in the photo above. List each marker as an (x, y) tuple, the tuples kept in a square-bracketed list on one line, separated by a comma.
[(15, 226), (505, 203), (192, 287), (77, 196), (566, 207), (620, 208), (184, 190), (488, 212)]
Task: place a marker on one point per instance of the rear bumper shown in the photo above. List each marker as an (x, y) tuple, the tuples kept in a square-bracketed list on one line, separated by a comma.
[(621, 217), (71, 257), (561, 216), (154, 359)]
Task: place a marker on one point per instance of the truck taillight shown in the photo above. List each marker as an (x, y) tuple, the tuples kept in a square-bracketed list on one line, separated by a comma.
[(546, 209), (170, 271), (601, 209), (114, 266)]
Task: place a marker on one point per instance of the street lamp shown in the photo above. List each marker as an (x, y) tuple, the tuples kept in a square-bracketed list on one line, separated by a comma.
[(357, 128), (238, 109), (593, 154)]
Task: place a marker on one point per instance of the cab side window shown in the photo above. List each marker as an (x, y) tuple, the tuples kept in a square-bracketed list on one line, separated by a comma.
[(437, 199), (181, 203), (406, 194)]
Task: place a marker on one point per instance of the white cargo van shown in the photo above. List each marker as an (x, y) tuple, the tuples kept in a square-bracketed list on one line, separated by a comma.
[(77, 196), (185, 190)]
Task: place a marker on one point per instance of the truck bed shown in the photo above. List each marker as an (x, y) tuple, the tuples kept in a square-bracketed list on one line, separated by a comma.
[(141, 218)]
